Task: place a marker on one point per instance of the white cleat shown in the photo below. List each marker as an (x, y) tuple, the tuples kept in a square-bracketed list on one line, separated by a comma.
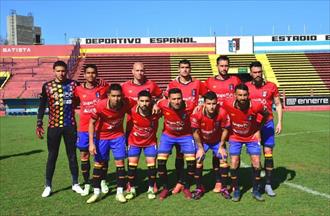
[(131, 194), (86, 190), (269, 190), (76, 188), (47, 191), (104, 187), (120, 197), (93, 198), (151, 193)]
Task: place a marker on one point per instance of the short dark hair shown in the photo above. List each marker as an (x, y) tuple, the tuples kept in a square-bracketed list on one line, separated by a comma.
[(174, 91), (210, 96), (90, 66), (60, 63), (185, 61), (144, 93), (241, 86), (223, 58), (255, 64), (114, 87)]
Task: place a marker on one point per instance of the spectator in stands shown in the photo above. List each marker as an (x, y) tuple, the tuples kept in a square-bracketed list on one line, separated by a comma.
[(59, 95)]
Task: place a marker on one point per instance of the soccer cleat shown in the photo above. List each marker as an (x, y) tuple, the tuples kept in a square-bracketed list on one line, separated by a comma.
[(225, 193), (120, 197), (94, 198), (269, 190), (104, 187), (86, 190), (131, 193), (178, 188), (198, 193), (47, 191), (257, 195), (217, 187), (151, 194), (76, 188), (236, 195), (186, 193), (164, 193)]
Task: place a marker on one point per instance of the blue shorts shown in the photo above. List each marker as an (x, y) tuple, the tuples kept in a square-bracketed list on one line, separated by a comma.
[(252, 148), (186, 143), (117, 145), (82, 141), (135, 151), (214, 148), (268, 134)]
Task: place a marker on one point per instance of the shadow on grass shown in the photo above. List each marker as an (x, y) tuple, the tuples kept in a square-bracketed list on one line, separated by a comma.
[(21, 154)]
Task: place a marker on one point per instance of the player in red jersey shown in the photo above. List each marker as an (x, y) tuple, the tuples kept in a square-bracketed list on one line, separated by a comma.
[(245, 129), (192, 89), (224, 86), (210, 123), (177, 131), (107, 123), (131, 88), (266, 92), (142, 137), (88, 93)]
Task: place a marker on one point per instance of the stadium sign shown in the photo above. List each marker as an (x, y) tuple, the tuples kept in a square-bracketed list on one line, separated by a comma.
[(291, 43), (307, 101), (151, 40), (234, 45)]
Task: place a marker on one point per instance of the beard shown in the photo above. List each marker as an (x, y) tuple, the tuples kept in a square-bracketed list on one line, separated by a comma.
[(258, 82)]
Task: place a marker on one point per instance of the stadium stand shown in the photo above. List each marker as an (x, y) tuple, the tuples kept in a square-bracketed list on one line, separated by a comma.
[(321, 63), (201, 66), (297, 76)]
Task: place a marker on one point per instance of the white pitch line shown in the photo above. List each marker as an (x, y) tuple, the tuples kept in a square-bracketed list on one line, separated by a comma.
[(299, 187), (302, 132), (312, 114)]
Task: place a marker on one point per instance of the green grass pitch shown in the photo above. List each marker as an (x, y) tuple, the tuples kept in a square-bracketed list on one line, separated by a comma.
[(302, 157)]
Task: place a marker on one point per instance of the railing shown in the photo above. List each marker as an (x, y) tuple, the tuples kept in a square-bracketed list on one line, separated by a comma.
[(74, 59)]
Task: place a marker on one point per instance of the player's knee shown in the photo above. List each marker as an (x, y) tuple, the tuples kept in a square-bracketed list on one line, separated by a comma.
[(84, 155), (120, 163)]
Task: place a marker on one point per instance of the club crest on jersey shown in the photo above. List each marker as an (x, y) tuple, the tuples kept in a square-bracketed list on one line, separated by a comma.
[(231, 87), (97, 94), (250, 117), (264, 93), (193, 92), (184, 116), (217, 124)]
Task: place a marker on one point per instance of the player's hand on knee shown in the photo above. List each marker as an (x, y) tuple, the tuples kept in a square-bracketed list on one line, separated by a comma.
[(200, 155), (40, 132), (222, 151), (92, 149)]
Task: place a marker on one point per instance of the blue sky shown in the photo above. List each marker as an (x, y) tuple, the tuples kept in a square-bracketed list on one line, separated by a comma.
[(170, 18)]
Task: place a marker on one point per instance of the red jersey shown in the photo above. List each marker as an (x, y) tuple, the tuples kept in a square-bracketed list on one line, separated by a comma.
[(190, 91), (265, 94), (132, 90), (243, 123), (224, 89), (144, 129), (176, 122), (109, 123), (210, 128), (88, 99)]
